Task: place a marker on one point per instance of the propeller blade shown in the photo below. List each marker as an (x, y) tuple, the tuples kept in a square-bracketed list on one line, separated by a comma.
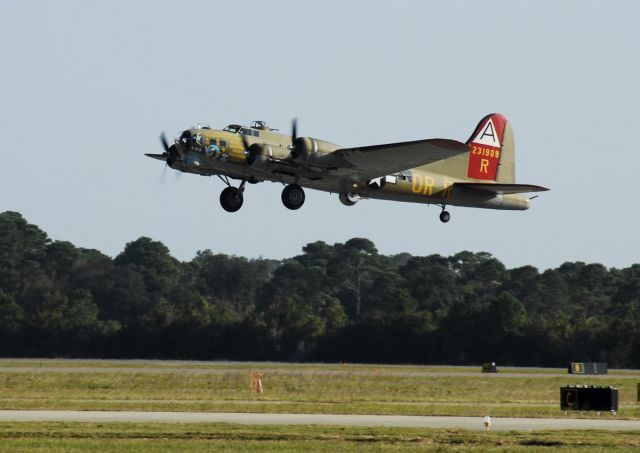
[(164, 175), (245, 142), (294, 130), (170, 154), (296, 148), (165, 144)]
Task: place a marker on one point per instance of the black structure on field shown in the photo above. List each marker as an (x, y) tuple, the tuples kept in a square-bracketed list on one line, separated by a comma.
[(589, 398), (588, 368), (489, 367)]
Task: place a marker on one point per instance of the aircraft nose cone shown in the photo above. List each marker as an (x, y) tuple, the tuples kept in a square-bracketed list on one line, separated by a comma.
[(172, 155)]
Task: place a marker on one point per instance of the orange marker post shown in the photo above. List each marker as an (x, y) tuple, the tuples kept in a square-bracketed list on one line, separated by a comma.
[(256, 382)]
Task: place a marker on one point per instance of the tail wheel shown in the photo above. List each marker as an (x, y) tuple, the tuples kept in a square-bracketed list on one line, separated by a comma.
[(348, 198), (445, 216), (231, 199), (293, 196)]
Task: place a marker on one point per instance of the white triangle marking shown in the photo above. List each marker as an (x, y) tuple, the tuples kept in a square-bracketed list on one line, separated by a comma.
[(488, 135)]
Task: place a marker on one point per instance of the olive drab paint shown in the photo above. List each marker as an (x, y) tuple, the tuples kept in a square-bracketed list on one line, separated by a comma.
[(479, 173)]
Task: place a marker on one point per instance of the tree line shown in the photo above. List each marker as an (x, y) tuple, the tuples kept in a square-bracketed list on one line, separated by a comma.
[(340, 303)]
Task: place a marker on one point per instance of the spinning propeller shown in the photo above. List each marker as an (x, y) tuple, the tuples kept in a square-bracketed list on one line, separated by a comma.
[(170, 152)]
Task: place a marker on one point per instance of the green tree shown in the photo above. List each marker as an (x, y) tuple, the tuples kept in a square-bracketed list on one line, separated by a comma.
[(387, 294), (11, 315), (316, 254), (507, 314), (22, 249), (229, 284), (352, 269), (479, 274), (151, 259), (294, 307), (432, 282), (60, 262), (145, 276)]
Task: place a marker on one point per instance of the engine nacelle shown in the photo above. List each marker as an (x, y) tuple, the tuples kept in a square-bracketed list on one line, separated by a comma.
[(192, 160), (307, 148), (259, 154)]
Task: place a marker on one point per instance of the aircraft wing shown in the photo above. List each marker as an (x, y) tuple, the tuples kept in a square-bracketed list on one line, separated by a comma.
[(497, 188), (157, 156), (373, 161)]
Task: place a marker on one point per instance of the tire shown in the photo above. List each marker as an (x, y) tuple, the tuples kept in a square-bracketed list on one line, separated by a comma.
[(231, 199), (445, 216), (348, 199), (293, 196)]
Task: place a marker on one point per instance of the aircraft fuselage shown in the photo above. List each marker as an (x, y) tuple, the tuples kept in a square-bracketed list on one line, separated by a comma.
[(257, 153)]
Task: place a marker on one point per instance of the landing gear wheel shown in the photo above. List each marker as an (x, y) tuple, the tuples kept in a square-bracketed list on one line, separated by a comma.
[(231, 199), (293, 196), (445, 216), (348, 198)]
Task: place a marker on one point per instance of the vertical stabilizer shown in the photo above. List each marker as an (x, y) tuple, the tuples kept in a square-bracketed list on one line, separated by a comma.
[(492, 150)]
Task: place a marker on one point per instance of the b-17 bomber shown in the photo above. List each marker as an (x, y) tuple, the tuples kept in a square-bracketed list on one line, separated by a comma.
[(479, 173)]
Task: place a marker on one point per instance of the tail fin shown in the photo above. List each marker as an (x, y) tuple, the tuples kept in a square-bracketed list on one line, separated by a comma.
[(492, 150)]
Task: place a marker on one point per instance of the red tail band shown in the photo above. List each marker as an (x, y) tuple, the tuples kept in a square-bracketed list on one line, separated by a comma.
[(485, 146)]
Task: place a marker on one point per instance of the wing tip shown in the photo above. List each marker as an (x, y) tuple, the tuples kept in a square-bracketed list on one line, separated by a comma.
[(156, 156)]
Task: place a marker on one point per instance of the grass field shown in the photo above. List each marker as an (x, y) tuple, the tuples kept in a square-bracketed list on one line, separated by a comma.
[(129, 437), (123, 385), (295, 388)]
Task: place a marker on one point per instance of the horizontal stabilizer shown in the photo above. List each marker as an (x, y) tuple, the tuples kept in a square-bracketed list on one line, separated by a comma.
[(498, 189)]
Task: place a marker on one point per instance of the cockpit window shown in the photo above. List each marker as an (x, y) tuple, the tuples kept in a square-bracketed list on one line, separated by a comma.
[(233, 128), (249, 132)]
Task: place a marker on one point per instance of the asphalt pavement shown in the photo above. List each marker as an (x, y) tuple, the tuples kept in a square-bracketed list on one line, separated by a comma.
[(407, 421)]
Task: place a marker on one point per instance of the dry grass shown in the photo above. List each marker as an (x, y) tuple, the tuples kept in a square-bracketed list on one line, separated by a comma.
[(294, 388), (129, 437)]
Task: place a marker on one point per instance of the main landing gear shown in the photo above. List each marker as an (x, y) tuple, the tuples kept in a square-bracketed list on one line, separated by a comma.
[(444, 215), (231, 198), (293, 196)]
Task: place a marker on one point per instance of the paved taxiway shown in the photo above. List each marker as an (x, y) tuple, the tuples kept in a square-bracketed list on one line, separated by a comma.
[(407, 421)]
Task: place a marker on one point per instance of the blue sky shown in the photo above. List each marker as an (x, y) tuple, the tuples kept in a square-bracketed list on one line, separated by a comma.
[(87, 87)]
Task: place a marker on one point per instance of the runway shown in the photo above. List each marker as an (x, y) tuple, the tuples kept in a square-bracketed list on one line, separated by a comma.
[(406, 421)]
